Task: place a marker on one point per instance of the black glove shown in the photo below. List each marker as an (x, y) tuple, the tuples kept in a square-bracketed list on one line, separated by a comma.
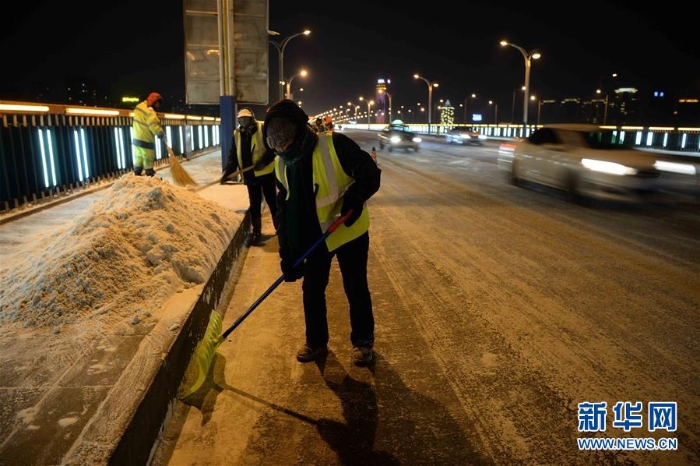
[(291, 273), (354, 202)]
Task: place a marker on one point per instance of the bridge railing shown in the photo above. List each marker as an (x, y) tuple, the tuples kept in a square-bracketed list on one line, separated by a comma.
[(47, 150), (680, 140)]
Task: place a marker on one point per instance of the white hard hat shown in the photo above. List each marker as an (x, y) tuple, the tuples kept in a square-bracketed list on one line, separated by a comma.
[(245, 112)]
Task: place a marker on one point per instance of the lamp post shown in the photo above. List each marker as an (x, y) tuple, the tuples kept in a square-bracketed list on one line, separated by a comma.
[(495, 113), (605, 112), (289, 83), (430, 97), (369, 115), (382, 91), (528, 57), (280, 46), (473, 96)]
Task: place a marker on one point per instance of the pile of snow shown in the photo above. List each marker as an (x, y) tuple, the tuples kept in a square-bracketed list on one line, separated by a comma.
[(137, 245)]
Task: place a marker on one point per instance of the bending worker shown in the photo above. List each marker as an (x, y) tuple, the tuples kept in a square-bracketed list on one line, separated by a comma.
[(249, 151), (146, 127)]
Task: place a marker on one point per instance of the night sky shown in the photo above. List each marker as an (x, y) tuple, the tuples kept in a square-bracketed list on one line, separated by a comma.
[(134, 47)]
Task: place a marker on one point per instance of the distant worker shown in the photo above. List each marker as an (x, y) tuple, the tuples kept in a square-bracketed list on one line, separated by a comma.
[(319, 127), (328, 123), (146, 127), (249, 151)]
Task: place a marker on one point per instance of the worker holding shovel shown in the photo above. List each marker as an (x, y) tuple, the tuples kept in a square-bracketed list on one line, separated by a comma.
[(319, 176), (254, 159)]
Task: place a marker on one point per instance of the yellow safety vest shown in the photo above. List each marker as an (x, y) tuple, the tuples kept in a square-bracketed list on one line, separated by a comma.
[(257, 149), (146, 126), (332, 182)]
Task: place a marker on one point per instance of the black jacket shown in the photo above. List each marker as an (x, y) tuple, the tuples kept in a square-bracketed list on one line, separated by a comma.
[(298, 224)]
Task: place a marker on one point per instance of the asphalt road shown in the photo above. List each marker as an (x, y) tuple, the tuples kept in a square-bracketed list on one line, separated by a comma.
[(499, 311)]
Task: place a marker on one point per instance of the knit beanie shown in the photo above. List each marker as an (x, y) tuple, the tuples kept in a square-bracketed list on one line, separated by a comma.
[(283, 122)]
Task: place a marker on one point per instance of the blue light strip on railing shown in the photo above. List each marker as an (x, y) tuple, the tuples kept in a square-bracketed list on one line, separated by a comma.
[(121, 150), (77, 145), (86, 165), (46, 148)]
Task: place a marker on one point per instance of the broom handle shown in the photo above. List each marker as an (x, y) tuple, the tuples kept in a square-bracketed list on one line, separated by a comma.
[(272, 287), (238, 172)]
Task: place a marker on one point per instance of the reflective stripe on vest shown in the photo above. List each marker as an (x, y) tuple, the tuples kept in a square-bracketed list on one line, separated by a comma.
[(332, 182), (257, 149)]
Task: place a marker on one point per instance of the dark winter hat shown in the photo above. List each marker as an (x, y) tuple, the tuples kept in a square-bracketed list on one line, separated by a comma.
[(283, 121)]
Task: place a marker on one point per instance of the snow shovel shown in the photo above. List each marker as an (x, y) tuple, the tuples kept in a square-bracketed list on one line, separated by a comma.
[(204, 352)]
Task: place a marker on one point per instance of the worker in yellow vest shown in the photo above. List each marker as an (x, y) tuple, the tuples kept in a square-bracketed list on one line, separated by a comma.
[(146, 127), (319, 177), (249, 151)]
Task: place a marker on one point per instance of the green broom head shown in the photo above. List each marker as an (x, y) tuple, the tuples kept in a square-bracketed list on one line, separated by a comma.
[(202, 359)]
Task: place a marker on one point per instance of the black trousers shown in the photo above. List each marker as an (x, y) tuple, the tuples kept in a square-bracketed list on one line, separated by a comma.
[(262, 186), (352, 260)]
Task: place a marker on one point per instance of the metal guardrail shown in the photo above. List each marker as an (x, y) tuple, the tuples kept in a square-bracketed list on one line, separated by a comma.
[(680, 141), (48, 151)]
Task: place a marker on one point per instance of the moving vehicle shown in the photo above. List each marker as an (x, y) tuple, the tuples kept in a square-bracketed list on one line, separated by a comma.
[(399, 136), (465, 135), (586, 161)]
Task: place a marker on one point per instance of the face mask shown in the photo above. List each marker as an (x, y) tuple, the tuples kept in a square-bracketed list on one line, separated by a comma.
[(245, 121)]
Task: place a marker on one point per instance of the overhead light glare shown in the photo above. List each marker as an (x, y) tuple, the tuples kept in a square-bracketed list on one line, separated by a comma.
[(24, 108), (90, 111)]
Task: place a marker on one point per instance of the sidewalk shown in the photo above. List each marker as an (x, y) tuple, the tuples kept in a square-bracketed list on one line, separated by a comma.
[(98, 397)]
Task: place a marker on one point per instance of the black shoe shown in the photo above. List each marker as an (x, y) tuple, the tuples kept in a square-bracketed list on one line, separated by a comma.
[(362, 355), (307, 354), (254, 239)]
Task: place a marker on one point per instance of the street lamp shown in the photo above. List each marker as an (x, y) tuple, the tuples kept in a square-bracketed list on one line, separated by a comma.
[(280, 46), (527, 56), (430, 97), (495, 114), (289, 83), (605, 113), (388, 95), (473, 96), (369, 114)]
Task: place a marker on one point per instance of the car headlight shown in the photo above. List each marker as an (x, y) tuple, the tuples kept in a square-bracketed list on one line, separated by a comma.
[(395, 139), (610, 168), (417, 139), (676, 167)]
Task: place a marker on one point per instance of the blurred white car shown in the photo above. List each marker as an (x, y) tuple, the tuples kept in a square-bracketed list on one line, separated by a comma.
[(465, 135), (586, 161)]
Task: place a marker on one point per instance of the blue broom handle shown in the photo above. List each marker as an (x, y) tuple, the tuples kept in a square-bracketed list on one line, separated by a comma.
[(277, 282)]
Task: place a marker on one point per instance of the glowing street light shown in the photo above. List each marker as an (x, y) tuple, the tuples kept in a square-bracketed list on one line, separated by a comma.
[(473, 96), (369, 114), (605, 113), (280, 46), (302, 73), (528, 57), (430, 97)]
